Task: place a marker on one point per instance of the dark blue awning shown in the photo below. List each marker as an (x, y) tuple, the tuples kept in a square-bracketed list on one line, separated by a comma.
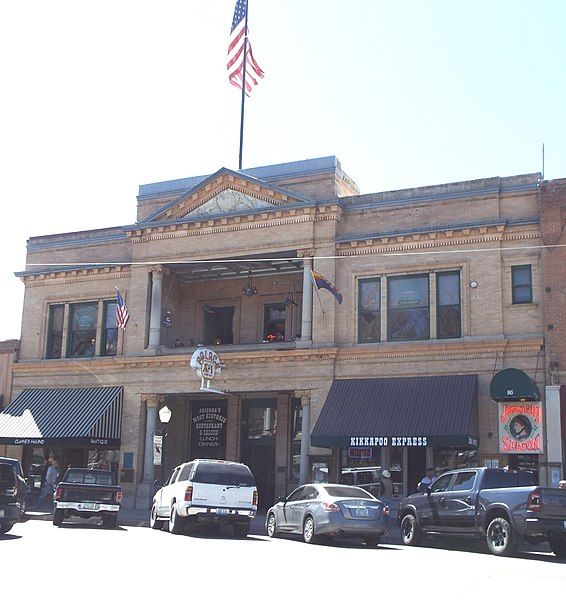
[(437, 411)]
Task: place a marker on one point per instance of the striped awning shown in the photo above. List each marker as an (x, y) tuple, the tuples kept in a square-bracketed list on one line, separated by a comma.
[(81, 417)]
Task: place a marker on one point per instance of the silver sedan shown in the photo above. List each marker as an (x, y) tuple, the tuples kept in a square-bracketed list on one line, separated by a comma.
[(328, 509)]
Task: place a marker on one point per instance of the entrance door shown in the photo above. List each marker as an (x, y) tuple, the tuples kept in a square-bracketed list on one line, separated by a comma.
[(258, 446), (416, 468)]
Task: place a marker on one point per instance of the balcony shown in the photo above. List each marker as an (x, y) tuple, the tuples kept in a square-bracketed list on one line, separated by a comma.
[(250, 303)]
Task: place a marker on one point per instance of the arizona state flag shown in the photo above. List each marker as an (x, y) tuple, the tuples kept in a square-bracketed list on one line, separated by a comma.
[(322, 282)]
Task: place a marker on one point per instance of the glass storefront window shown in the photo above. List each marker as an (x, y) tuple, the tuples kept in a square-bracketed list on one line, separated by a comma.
[(106, 460), (369, 311), (408, 311)]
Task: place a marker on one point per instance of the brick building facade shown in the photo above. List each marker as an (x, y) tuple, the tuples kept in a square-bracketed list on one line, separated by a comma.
[(442, 288)]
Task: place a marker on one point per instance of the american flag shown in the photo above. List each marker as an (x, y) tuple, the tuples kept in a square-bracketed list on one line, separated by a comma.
[(122, 314), (236, 51)]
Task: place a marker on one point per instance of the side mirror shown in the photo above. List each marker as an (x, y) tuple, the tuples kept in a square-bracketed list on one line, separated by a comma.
[(424, 488), (282, 499)]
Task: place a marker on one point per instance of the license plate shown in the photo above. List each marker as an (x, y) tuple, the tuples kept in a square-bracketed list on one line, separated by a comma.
[(362, 512), (88, 506), (222, 511), (1, 514)]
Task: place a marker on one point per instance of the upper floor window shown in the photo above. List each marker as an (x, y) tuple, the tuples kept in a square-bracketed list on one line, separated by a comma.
[(408, 311), (522, 284), (369, 310), (274, 322), (110, 330), (218, 325), (82, 331), (448, 311), (55, 331)]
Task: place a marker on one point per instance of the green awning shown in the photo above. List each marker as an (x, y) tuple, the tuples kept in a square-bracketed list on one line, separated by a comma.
[(511, 385)]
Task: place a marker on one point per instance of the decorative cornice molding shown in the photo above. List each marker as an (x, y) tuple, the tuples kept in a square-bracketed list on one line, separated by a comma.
[(428, 350), (77, 275)]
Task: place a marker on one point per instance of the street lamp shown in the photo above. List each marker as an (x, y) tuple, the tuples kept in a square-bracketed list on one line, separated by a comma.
[(164, 417)]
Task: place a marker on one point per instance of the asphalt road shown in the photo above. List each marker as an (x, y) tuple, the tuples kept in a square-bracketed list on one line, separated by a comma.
[(83, 560)]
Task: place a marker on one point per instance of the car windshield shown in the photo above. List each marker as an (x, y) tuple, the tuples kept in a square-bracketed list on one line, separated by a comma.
[(224, 474), (344, 491), (87, 476)]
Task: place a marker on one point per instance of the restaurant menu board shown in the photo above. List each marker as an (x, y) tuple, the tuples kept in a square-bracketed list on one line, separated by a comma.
[(208, 430)]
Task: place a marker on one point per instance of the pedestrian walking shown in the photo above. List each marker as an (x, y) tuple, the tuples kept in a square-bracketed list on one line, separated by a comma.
[(49, 484)]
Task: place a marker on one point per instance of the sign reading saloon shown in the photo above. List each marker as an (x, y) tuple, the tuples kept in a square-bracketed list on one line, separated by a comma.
[(520, 428)]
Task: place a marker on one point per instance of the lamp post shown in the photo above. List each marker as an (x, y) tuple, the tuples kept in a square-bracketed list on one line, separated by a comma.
[(164, 417)]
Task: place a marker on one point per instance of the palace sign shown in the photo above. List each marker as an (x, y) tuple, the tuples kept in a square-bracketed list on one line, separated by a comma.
[(207, 365)]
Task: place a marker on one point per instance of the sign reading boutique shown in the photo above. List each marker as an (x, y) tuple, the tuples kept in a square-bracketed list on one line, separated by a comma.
[(520, 428), (208, 430)]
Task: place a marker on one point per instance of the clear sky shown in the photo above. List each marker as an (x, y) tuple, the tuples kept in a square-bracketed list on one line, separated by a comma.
[(99, 97)]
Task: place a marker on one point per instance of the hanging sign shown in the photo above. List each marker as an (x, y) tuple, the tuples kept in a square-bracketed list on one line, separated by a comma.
[(207, 365), (157, 449), (520, 428)]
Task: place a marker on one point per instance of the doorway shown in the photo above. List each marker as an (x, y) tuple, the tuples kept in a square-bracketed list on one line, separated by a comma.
[(259, 432), (416, 468)]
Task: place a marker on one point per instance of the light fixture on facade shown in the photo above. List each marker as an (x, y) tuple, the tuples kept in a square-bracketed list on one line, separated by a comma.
[(249, 290), (473, 284), (165, 415)]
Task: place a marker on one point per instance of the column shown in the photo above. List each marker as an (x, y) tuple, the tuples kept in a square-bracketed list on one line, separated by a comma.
[(553, 435), (155, 315), (150, 427), (306, 324), (305, 435)]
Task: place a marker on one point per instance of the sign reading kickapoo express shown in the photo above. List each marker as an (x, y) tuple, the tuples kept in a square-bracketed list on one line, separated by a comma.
[(520, 428)]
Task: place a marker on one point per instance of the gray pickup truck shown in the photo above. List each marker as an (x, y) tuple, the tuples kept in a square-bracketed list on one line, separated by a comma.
[(87, 493), (502, 506)]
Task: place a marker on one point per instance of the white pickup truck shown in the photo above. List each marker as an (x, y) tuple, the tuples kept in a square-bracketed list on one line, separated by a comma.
[(206, 491)]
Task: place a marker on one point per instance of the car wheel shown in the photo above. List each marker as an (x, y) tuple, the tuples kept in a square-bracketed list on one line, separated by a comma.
[(372, 541), (110, 521), (558, 547), (499, 537), (58, 517), (154, 523), (176, 522), (308, 531), (241, 531), (5, 528), (272, 526), (411, 534)]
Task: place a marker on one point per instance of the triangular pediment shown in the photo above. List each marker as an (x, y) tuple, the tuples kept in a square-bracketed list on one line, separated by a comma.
[(226, 193)]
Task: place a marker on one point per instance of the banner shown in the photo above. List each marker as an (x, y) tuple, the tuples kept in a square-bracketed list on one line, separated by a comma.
[(157, 449)]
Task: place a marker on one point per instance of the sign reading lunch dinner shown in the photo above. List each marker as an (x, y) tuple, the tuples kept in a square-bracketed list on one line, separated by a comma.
[(209, 429), (520, 428)]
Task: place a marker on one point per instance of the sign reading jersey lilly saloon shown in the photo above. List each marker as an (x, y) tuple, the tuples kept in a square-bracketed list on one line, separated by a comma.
[(520, 428), (207, 365)]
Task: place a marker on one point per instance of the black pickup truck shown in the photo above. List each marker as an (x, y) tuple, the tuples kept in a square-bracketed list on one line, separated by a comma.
[(500, 505), (88, 493), (10, 509)]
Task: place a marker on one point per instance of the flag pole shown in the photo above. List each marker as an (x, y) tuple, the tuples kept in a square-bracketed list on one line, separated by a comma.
[(243, 89)]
